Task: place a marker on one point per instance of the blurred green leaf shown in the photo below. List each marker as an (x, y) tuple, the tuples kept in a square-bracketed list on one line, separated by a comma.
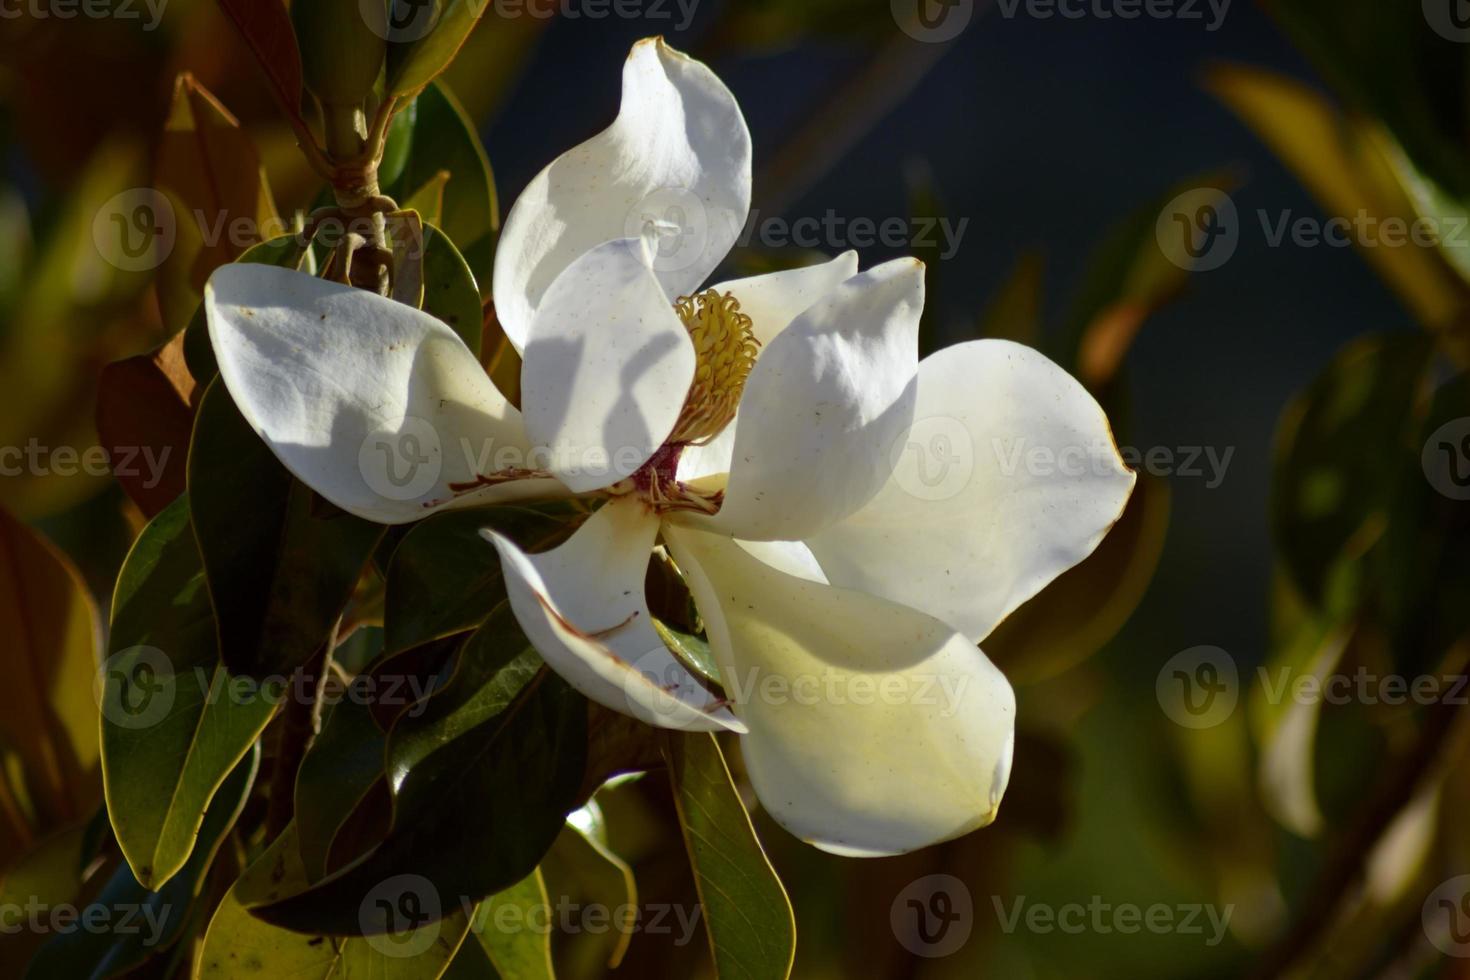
[(240, 945), (585, 872), (158, 917), (48, 718), (145, 419), (1014, 312), (444, 138), (746, 912), (1345, 164), (279, 575), (208, 168), (1129, 278), (174, 723), (49, 874), (482, 782), (1338, 453), (1387, 61)]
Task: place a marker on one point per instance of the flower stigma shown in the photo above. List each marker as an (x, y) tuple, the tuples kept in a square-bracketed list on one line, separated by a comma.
[(725, 350)]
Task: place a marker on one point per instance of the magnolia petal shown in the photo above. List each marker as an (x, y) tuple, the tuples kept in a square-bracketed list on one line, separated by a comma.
[(677, 157), (607, 367), (582, 607), (873, 728), (377, 406), (824, 402), (1008, 477), (771, 301)]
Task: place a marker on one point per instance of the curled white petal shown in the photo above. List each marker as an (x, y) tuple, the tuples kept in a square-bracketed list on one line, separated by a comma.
[(824, 402), (772, 301), (1008, 477), (677, 159), (582, 607)]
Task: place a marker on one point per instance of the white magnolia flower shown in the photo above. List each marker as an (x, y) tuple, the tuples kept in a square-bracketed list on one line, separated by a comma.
[(843, 591)]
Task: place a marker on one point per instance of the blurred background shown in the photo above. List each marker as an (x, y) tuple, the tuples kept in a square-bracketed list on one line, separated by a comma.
[(1035, 162)]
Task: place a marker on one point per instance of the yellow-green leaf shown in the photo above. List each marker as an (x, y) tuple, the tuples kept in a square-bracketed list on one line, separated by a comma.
[(239, 946), (746, 912)]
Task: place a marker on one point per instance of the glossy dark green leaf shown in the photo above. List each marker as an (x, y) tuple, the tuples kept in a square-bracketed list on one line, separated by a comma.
[(449, 288), (279, 574), (751, 926), (143, 923), (174, 724), (445, 139), (444, 578), (482, 782), (339, 769)]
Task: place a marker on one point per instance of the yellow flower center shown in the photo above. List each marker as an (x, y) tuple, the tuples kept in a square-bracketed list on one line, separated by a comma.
[(725, 351)]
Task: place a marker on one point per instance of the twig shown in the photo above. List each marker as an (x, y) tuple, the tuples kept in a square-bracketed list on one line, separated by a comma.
[(299, 727)]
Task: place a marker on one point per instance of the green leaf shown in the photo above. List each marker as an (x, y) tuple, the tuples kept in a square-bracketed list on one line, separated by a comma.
[(174, 725), (751, 926), (240, 945), (449, 288), (412, 64), (342, 765), (1387, 61), (1348, 163), (691, 649), (159, 916), (49, 874), (1337, 473), (482, 782), (508, 927), (443, 138), (279, 575), (444, 578), (586, 872)]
